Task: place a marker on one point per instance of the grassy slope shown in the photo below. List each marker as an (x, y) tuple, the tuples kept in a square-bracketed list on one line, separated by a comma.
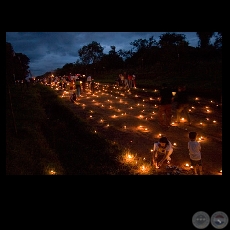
[(42, 134)]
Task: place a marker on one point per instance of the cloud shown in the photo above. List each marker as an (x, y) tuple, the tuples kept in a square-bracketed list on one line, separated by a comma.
[(51, 50)]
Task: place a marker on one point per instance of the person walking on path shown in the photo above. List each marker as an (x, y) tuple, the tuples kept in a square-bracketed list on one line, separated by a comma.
[(162, 151), (165, 106)]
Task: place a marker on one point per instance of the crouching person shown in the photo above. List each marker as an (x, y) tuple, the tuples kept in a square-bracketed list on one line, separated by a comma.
[(73, 97), (162, 151)]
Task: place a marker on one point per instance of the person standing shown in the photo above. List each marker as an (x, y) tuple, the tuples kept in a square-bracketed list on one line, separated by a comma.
[(130, 80), (134, 81), (194, 148), (165, 106), (78, 86), (122, 79), (162, 151), (126, 83), (182, 105), (92, 86), (89, 80), (83, 80)]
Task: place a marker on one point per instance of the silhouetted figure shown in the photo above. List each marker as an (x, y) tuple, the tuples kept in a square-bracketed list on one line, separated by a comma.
[(165, 106)]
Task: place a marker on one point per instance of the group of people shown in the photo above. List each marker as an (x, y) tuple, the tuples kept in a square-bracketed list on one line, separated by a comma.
[(181, 99), (163, 149), (80, 83), (127, 80)]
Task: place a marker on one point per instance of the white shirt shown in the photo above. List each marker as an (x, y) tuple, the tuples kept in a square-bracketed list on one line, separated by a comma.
[(194, 148), (159, 149)]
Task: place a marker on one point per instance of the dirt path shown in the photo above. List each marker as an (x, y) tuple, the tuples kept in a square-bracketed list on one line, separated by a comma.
[(129, 118)]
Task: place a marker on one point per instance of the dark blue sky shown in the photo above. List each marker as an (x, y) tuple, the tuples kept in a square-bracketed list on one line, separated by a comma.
[(48, 51)]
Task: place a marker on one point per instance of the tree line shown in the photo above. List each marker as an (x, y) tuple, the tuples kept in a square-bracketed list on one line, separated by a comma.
[(171, 53)]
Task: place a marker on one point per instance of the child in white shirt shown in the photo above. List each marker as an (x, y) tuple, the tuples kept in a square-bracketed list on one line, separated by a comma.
[(194, 148)]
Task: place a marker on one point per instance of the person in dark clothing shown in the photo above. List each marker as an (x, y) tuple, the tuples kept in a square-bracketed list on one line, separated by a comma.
[(182, 100), (83, 80), (92, 86), (78, 87), (165, 106)]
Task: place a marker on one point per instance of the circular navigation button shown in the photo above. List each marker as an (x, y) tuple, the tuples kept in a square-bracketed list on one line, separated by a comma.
[(201, 220), (219, 220)]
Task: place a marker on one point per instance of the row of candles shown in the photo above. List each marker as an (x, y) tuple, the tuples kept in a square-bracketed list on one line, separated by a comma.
[(144, 167)]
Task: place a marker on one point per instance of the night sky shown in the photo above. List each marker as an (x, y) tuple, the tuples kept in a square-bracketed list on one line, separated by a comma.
[(48, 51)]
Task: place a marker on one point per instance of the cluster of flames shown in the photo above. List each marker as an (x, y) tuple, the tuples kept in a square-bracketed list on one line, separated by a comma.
[(140, 165)]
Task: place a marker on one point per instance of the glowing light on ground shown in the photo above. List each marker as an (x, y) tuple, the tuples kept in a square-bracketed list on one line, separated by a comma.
[(141, 166)]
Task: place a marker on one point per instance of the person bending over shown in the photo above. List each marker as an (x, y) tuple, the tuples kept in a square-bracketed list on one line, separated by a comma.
[(162, 151)]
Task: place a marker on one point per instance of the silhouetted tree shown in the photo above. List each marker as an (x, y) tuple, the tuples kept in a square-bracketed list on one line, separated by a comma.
[(21, 66), (204, 39), (112, 60), (68, 69), (143, 44), (172, 39), (218, 40), (10, 65), (17, 65), (91, 53)]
